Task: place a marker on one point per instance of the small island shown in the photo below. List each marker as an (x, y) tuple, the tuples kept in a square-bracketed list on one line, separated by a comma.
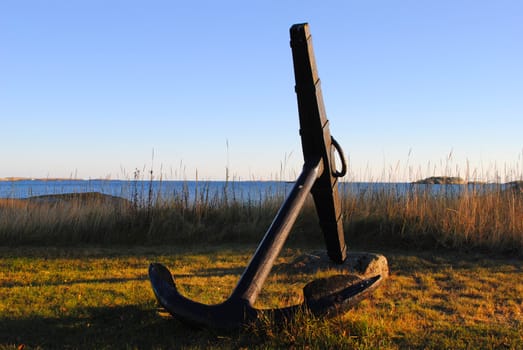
[(454, 180), (441, 180), (515, 186)]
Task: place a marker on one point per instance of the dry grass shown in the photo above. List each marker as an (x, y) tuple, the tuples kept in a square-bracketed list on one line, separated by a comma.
[(62, 221), (474, 220)]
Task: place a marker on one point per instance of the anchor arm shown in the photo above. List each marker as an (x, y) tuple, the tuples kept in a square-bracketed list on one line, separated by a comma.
[(238, 308), (262, 261)]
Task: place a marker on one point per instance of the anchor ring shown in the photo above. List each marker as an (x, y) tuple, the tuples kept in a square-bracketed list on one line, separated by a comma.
[(338, 149)]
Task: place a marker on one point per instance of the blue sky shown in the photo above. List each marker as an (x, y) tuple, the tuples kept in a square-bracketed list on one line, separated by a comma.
[(94, 89)]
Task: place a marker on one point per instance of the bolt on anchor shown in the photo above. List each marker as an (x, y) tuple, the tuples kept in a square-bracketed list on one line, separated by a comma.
[(319, 177)]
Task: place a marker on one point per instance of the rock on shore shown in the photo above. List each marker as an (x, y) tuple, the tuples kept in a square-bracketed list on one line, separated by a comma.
[(81, 198)]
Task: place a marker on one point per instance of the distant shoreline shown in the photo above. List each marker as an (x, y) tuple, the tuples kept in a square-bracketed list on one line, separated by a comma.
[(16, 179), (434, 180)]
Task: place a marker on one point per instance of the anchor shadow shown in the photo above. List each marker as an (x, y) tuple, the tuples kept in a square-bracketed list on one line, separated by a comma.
[(99, 327)]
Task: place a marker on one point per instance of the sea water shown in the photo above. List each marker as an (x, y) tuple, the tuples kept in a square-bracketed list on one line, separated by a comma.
[(236, 190)]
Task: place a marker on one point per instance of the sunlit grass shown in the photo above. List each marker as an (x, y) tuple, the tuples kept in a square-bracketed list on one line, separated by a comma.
[(93, 297)]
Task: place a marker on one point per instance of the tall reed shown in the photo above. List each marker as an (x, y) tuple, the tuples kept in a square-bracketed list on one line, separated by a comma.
[(474, 219)]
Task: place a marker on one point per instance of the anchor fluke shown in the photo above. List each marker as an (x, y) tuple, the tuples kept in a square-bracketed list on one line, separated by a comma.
[(336, 294), (227, 315)]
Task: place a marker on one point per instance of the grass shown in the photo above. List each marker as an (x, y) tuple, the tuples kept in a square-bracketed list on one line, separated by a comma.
[(474, 220), (73, 273), (94, 297)]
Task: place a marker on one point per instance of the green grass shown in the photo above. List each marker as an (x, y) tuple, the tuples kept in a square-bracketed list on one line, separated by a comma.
[(94, 297)]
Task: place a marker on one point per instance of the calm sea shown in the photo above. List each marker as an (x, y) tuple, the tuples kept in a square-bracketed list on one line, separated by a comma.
[(238, 190)]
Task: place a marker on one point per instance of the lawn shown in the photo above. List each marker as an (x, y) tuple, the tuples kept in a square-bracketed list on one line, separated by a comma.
[(99, 297)]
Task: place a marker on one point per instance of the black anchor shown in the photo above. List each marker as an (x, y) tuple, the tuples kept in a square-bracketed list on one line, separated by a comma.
[(319, 177)]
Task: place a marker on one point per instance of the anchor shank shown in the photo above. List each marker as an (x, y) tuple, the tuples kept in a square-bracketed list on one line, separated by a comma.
[(316, 140), (254, 276)]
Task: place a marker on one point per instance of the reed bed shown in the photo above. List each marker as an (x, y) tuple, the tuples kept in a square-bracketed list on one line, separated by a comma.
[(474, 219)]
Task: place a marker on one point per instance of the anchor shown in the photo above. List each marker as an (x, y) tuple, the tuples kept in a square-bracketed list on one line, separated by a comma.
[(319, 177)]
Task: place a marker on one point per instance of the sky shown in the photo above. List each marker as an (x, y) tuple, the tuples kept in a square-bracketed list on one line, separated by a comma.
[(188, 89)]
